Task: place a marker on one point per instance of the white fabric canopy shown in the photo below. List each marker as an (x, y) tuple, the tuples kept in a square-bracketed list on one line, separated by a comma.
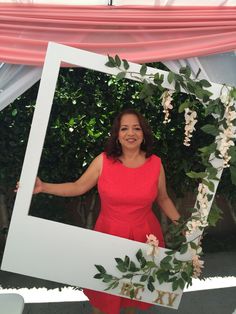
[(220, 68), (15, 80)]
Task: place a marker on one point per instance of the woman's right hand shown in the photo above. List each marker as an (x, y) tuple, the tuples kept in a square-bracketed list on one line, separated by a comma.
[(38, 186)]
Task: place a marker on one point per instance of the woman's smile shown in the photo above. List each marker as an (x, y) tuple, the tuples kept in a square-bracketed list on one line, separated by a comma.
[(130, 132)]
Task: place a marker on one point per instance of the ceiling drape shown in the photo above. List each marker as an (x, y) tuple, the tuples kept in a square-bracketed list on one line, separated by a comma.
[(138, 33), (202, 37)]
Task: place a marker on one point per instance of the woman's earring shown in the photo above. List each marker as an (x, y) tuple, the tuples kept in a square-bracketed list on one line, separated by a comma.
[(117, 142), (143, 142)]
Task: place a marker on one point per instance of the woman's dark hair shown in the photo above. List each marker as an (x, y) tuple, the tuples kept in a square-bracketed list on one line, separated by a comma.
[(113, 147)]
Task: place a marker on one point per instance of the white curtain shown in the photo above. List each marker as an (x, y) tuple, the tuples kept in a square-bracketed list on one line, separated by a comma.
[(15, 80), (220, 68)]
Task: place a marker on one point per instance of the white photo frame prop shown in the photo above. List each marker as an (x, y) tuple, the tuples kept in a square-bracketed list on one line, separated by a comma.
[(59, 252)]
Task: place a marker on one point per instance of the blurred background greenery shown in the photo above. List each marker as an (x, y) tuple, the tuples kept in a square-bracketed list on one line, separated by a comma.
[(85, 104)]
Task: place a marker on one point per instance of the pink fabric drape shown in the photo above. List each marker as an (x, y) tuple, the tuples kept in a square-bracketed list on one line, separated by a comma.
[(136, 33)]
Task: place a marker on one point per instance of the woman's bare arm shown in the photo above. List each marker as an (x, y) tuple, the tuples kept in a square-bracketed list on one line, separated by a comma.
[(163, 199), (86, 182)]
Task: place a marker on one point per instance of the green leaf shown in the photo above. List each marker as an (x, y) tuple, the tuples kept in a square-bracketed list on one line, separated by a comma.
[(113, 285), (98, 276), (183, 106), (233, 174), (177, 86), (111, 62), (107, 278), (121, 268), (212, 172), (171, 252), (184, 248), (117, 60), (199, 92), (193, 245), (205, 97), (132, 267), (175, 285), (185, 276), (210, 129), (127, 261), (120, 75), (208, 149), (143, 70), (150, 264), (191, 87), (143, 262), (139, 255), (116, 284), (215, 215), (172, 279), (101, 269), (186, 71), (158, 80), (125, 64), (109, 287), (14, 112), (111, 59), (165, 266), (130, 275), (131, 294), (170, 77), (138, 285), (150, 286), (196, 175), (234, 122), (205, 83), (209, 197), (232, 153), (151, 279), (162, 276), (119, 261), (167, 259), (144, 278), (207, 93), (214, 107), (210, 185), (181, 283), (233, 93)]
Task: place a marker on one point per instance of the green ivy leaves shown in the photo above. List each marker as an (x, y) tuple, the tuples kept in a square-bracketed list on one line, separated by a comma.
[(170, 270)]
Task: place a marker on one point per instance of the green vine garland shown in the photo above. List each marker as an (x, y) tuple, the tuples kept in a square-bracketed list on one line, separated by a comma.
[(185, 236)]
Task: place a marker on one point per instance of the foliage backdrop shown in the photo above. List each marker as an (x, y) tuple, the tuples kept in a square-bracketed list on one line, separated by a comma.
[(85, 104)]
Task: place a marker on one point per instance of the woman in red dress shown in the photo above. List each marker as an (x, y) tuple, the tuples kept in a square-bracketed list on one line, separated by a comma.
[(130, 179)]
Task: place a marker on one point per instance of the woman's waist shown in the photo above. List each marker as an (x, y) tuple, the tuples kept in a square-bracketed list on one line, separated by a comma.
[(133, 216)]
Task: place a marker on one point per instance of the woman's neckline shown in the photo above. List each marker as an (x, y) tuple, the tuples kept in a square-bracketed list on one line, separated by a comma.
[(138, 167)]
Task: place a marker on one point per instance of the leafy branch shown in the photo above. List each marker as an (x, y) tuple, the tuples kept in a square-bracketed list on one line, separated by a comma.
[(171, 269), (145, 271)]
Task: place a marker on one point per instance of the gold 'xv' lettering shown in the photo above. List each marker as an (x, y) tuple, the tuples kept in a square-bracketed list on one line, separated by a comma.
[(126, 290), (166, 298)]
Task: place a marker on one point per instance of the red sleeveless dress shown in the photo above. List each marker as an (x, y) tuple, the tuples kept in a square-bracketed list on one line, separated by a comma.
[(127, 195)]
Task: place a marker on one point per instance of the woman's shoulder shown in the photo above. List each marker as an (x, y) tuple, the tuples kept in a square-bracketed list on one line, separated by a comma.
[(98, 158), (97, 161), (104, 158), (155, 158)]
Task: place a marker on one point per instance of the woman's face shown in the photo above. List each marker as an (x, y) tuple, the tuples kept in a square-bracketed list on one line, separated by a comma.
[(130, 133)]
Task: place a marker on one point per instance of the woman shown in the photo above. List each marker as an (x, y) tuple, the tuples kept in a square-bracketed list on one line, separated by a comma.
[(130, 178)]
